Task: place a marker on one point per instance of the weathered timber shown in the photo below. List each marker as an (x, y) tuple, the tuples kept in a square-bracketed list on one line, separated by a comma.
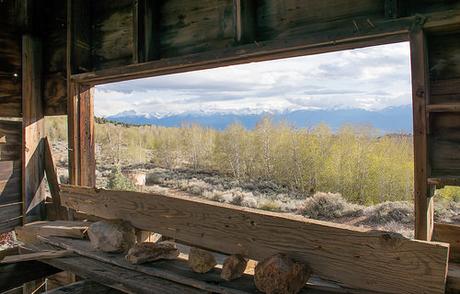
[(178, 271), (36, 256), (33, 129), (71, 229), (119, 278), (14, 275), (53, 183), (10, 140), (10, 181), (84, 287), (449, 233), (374, 260), (420, 98), (453, 279), (10, 71), (443, 108), (440, 182)]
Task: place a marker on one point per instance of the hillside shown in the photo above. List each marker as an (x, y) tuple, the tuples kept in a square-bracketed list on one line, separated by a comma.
[(387, 120)]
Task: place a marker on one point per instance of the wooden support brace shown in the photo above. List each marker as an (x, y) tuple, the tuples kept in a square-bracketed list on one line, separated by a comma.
[(146, 30)]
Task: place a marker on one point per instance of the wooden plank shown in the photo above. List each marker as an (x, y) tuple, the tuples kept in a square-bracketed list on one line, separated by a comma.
[(445, 91), (10, 70), (178, 271), (87, 155), (245, 20), (453, 279), (173, 270), (55, 94), (53, 182), (14, 275), (440, 182), (84, 287), (449, 233), (127, 281), (443, 108), (33, 129), (10, 140), (10, 224), (10, 182), (146, 22), (420, 98), (36, 256), (70, 229), (10, 211), (374, 260)]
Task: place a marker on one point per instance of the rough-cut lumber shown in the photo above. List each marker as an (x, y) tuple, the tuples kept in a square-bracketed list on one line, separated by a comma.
[(10, 140), (84, 287), (14, 275), (424, 209), (448, 233), (443, 108), (374, 260), (33, 129), (178, 271), (29, 232), (122, 279), (36, 256), (53, 183), (453, 279), (440, 182), (10, 181)]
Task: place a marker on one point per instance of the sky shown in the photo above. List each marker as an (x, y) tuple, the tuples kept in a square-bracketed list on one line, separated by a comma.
[(371, 78)]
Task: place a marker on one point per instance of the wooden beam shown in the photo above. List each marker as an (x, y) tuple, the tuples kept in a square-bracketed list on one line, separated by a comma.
[(424, 210), (443, 108), (440, 182), (53, 183), (374, 260), (33, 130), (36, 256), (341, 38), (87, 156), (449, 233), (128, 281), (70, 229)]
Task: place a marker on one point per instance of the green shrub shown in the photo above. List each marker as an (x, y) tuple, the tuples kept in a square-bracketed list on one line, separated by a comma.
[(117, 181), (327, 206)]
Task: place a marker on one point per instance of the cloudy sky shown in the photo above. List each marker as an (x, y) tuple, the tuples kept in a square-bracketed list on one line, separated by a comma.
[(370, 78)]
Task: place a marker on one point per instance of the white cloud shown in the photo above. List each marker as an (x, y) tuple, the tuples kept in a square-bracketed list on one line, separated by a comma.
[(370, 78)]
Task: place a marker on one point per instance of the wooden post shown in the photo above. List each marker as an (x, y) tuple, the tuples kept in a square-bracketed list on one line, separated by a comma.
[(420, 98), (87, 164), (33, 130)]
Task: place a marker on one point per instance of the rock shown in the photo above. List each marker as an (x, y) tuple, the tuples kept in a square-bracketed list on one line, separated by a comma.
[(279, 274), (201, 261), (112, 235), (233, 267), (149, 251)]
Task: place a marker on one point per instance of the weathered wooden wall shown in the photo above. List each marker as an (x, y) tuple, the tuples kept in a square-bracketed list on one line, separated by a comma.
[(10, 174)]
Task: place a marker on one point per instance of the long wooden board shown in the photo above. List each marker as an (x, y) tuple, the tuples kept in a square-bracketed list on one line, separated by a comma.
[(449, 233), (115, 277), (355, 257)]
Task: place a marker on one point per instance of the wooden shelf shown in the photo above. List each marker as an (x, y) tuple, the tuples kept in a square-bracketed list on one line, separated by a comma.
[(443, 108)]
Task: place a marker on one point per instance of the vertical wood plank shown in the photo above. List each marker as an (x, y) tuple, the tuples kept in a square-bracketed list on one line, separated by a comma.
[(33, 130), (245, 20), (420, 98), (146, 22), (86, 137)]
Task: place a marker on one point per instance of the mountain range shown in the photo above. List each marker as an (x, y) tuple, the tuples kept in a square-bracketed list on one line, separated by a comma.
[(388, 120)]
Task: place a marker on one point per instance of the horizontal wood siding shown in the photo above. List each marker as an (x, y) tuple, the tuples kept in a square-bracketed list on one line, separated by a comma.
[(112, 32), (195, 26), (371, 260), (279, 19), (444, 63), (10, 72)]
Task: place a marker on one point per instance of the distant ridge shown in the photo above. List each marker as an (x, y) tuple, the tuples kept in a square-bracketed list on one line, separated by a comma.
[(388, 120)]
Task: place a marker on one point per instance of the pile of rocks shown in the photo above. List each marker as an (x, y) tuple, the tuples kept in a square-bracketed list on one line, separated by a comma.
[(276, 274)]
